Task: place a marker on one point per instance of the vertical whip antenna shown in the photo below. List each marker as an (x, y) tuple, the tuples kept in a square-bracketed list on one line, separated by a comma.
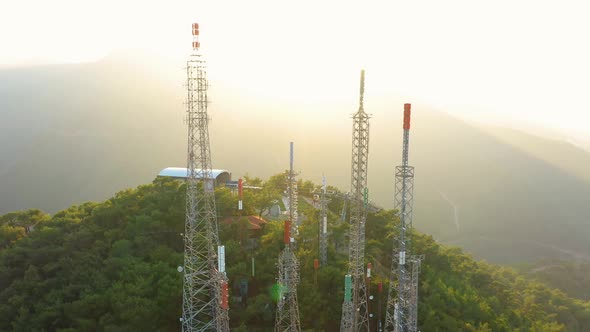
[(362, 92), (323, 225)]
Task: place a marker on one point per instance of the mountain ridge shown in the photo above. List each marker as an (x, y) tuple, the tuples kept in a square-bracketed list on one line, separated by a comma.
[(93, 129)]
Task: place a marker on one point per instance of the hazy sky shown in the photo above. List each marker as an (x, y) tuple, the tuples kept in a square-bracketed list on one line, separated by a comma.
[(522, 62)]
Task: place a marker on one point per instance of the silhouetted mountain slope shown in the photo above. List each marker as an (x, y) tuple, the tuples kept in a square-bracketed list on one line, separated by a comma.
[(510, 204), (564, 155), (82, 132)]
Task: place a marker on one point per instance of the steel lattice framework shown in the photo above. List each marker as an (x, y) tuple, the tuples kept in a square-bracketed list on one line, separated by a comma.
[(355, 316), (416, 261), (287, 316), (402, 300), (204, 301)]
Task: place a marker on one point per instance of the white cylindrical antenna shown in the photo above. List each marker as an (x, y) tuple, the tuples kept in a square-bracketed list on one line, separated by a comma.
[(221, 258), (240, 193)]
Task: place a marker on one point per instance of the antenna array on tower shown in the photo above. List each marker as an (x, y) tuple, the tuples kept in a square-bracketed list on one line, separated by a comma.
[(205, 284)]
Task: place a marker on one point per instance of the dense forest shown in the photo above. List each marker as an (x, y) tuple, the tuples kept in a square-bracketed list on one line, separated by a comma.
[(112, 266), (572, 277)]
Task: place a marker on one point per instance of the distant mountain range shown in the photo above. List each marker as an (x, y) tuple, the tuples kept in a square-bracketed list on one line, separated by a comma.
[(73, 133)]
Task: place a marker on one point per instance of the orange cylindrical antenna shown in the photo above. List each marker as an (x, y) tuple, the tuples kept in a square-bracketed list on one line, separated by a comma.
[(224, 295), (407, 112), (287, 235)]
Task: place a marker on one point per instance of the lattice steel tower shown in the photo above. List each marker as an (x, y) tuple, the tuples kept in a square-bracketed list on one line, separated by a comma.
[(402, 300), (287, 315), (355, 316), (204, 298)]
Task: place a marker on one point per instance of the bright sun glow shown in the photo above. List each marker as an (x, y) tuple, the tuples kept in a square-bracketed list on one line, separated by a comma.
[(505, 61)]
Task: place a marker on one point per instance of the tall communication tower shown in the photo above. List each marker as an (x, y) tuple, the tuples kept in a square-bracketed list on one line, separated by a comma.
[(204, 298), (355, 316), (324, 225), (402, 300), (287, 316)]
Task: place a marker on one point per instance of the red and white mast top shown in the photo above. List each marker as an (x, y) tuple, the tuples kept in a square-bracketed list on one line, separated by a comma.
[(196, 43)]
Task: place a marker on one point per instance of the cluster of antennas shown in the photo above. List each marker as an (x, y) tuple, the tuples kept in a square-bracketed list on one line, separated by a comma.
[(196, 43), (402, 309)]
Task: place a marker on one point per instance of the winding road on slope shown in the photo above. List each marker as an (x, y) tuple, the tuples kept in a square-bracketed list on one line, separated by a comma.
[(455, 209)]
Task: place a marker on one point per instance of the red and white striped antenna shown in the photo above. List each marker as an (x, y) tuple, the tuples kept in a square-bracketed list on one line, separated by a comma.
[(196, 43)]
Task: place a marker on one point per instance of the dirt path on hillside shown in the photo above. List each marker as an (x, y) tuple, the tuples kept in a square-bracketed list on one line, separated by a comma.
[(455, 210)]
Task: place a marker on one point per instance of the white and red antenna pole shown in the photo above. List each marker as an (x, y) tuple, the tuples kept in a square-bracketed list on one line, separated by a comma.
[(240, 193), (196, 43)]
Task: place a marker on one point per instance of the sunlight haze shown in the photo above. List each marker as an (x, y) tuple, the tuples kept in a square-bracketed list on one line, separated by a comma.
[(519, 64)]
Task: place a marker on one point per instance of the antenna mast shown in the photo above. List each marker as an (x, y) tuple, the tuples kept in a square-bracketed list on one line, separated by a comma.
[(402, 300), (324, 225), (287, 316), (355, 316), (205, 291)]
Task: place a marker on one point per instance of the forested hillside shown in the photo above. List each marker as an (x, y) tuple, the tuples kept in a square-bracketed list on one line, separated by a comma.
[(112, 266), (570, 276)]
